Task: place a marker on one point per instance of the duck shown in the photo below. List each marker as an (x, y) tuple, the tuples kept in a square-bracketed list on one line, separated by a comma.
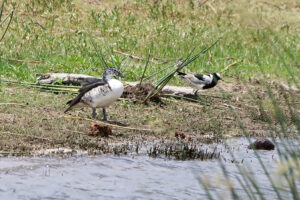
[(201, 81), (100, 94)]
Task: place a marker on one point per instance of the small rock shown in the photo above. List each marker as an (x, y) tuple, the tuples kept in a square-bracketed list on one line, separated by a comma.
[(102, 130), (262, 144)]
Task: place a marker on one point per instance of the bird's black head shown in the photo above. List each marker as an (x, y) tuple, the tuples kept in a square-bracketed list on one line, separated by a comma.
[(111, 72), (217, 76)]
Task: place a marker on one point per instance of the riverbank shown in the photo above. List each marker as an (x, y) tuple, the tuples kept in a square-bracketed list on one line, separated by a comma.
[(32, 120)]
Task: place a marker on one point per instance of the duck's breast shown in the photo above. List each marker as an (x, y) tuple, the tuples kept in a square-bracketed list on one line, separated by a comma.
[(105, 95)]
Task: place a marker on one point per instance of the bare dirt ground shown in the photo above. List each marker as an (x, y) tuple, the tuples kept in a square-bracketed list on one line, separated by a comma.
[(31, 120)]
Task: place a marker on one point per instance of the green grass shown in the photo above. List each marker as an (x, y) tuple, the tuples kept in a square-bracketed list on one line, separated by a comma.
[(59, 32)]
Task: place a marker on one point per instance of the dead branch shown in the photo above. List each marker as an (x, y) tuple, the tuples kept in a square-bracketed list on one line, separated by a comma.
[(67, 79), (286, 87), (80, 79)]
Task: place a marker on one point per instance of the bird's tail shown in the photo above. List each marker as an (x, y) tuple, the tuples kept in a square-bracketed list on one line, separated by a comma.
[(181, 74), (69, 101), (70, 107)]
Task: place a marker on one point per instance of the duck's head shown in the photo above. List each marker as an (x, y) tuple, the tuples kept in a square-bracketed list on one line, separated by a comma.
[(111, 72), (217, 76)]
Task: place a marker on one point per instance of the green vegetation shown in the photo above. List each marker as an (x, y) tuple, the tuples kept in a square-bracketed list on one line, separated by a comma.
[(259, 39), (58, 33)]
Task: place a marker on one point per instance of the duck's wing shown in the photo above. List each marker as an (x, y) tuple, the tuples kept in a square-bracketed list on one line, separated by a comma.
[(82, 91)]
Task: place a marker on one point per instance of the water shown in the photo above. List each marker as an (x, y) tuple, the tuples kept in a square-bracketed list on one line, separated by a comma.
[(125, 177)]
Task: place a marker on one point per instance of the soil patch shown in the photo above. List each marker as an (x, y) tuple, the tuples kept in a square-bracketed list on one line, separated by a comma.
[(139, 93)]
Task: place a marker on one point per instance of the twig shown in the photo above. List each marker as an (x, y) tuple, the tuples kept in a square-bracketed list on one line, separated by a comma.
[(285, 87), (112, 125), (26, 61), (232, 64), (213, 9), (202, 3), (21, 104), (227, 58), (209, 59), (38, 24)]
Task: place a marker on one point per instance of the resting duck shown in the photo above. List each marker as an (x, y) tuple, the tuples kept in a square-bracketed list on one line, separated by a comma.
[(99, 94)]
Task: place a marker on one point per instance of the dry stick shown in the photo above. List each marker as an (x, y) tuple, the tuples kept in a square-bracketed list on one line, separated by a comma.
[(154, 60), (112, 125), (25, 61), (3, 104), (227, 58), (213, 9), (230, 65)]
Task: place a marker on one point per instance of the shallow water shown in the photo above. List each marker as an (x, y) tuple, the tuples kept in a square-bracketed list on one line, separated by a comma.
[(126, 177)]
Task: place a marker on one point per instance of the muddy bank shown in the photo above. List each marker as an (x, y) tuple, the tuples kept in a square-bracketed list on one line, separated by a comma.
[(31, 120)]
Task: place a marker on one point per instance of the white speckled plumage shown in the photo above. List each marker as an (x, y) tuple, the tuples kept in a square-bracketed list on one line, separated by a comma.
[(100, 94), (104, 95)]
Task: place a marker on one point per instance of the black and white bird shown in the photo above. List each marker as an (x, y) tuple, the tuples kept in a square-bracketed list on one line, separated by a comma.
[(99, 94), (201, 81)]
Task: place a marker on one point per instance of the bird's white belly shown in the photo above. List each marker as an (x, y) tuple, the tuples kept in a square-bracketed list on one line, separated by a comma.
[(103, 96), (198, 86)]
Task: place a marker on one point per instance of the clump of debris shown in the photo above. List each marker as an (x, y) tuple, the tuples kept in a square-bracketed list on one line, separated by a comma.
[(102, 130), (139, 93)]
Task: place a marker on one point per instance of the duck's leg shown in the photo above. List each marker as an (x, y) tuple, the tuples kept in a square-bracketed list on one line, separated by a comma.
[(104, 115), (94, 114)]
